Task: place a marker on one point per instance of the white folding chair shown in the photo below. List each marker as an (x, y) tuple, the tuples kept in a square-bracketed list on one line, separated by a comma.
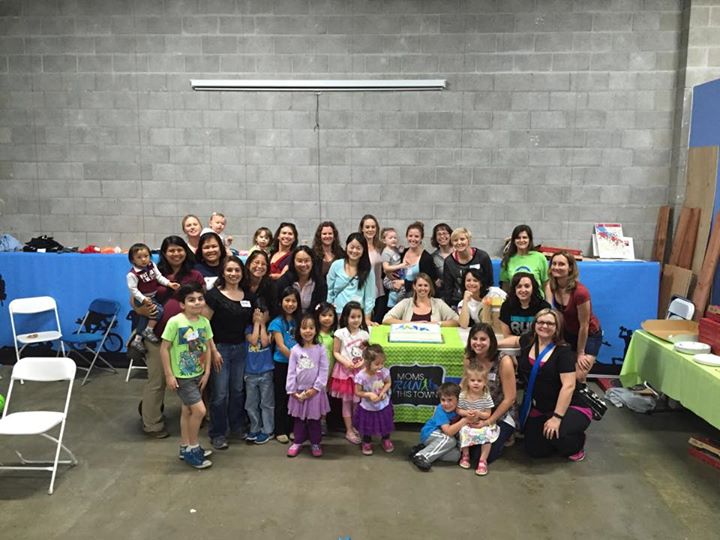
[(39, 369), (33, 306)]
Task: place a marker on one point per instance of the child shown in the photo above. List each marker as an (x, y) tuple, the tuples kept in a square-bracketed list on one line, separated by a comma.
[(438, 435), (328, 323), (475, 404), (185, 356), (259, 365), (282, 328), (143, 281), (217, 224), (350, 340), (307, 376), (262, 239), (374, 416), (392, 264)]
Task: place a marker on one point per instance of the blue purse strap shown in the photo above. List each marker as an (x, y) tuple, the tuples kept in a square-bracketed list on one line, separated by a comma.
[(527, 398)]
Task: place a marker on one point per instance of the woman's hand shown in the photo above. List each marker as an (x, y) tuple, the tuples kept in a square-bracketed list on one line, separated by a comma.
[(467, 295), (585, 362), (551, 429)]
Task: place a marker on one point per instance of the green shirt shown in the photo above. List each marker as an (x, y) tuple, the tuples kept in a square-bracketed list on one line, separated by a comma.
[(533, 263), (188, 341), (328, 341)]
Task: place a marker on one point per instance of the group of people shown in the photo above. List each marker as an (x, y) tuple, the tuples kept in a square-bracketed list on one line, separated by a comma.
[(274, 339)]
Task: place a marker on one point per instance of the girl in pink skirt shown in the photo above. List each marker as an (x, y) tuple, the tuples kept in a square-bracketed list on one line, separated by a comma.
[(374, 416)]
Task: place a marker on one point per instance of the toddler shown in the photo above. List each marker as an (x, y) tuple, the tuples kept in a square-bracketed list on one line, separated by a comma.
[(374, 415), (393, 267), (262, 239), (217, 224)]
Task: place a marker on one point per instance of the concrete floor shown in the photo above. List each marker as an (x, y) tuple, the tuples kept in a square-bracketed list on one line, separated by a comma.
[(636, 482)]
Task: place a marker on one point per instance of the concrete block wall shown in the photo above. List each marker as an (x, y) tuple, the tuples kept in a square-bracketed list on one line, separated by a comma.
[(559, 114)]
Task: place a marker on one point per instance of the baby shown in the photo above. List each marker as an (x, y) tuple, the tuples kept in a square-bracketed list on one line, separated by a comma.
[(393, 267), (216, 224)]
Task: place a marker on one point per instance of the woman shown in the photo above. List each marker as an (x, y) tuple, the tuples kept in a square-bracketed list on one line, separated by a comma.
[(470, 307), (482, 348), (256, 281), (520, 256), (523, 302), (192, 229), (230, 313), (422, 307), (304, 275), (441, 242), (351, 278), (459, 261), (326, 245), (284, 241), (555, 420), (571, 298), (210, 254), (416, 258), (370, 229), (176, 264)]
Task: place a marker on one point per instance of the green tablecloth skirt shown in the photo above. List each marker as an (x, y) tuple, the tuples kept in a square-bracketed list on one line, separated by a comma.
[(675, 374), (417, 369)]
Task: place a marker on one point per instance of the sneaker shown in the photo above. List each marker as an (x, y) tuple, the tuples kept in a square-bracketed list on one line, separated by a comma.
[(482, 468), (183, 449), (137, 344), (388, 445), (219, 443), (294, 450), (414, 450), (367, 449), (252, 436), (422, 463), (196, 458), (262, 438), (465, 462), (316, 450), (282, 438), (577, 457), (150, 336)]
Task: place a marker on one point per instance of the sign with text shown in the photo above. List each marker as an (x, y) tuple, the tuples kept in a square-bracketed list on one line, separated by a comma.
[(416, 385)]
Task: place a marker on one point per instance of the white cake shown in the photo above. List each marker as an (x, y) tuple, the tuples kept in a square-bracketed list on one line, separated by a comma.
[(414, 332)]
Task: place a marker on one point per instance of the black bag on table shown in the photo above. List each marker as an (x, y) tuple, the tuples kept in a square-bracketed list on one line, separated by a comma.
[(43, 243)]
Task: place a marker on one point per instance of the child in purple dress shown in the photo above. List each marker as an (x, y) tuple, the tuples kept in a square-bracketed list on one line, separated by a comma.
[(374, 415), (306, 380)]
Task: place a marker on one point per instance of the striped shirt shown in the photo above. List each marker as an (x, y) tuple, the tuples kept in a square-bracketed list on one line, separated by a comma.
[(485, 402)]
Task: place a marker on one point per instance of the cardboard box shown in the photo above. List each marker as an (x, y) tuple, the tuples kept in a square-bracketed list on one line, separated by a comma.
[(672, 330)]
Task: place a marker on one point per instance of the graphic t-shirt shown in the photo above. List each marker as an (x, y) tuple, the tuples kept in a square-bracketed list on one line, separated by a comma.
[(533, 263), (519, 319), (259, 359), (373, 383), (189, 340), (287, 330)]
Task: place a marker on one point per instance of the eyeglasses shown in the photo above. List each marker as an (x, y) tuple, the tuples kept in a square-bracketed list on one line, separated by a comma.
[(545, 323)]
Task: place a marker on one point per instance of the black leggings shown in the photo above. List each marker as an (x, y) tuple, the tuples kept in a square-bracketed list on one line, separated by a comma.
[(570, 441), (282, 419)]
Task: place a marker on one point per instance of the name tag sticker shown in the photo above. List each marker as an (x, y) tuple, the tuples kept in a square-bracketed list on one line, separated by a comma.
[(245, 303), (492, 376)]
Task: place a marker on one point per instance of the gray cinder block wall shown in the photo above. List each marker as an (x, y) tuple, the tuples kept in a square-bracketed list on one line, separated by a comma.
[(558, 114)]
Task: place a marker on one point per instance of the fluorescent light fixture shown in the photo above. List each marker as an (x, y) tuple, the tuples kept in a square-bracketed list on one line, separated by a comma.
[(350, 85)]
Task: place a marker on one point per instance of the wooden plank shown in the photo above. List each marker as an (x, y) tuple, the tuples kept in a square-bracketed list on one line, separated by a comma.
[(680, 233), (674, 280), (702, 169), (661, 234), (702, 290), (688, 247)]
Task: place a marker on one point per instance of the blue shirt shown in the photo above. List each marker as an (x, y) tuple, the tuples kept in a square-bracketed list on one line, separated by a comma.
[(439, 419), (287, 329), (259, 359), (343, 288)]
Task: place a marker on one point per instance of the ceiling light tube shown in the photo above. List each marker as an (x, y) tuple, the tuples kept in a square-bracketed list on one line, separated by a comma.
[(350, 85)]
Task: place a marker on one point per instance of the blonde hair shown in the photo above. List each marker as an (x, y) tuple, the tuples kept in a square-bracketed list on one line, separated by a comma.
[(558, 337), (460, 231), (473, 366)]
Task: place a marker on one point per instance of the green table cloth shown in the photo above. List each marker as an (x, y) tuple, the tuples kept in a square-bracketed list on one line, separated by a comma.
[(417, 369), (675, 374)]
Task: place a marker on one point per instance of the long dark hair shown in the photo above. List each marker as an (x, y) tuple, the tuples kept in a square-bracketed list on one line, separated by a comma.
[(307, 317), (345, 315), (201, 242), (275, 246), (264, 288), (289, 291), (512, 248), (220, 281), (436, 228), (187, 265), (317, 246), (364, 266), (488, 330), (326, 307), (535, 298), (315, 272)]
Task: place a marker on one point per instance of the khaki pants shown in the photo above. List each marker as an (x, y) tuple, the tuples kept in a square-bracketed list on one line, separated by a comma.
[(154, 391)]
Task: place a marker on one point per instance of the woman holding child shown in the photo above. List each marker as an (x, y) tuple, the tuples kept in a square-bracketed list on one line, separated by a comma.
[(416, 258)]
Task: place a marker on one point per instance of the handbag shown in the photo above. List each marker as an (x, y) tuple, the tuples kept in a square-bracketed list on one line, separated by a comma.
[(592, 401)]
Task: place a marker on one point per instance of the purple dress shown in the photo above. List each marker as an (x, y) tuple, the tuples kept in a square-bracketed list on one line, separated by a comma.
[(373, 418), (307, 368)]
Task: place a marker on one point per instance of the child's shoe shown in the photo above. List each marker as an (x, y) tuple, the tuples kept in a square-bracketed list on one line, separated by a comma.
[(422, 463), (252, 436), (482, 468), (388, 445), (282, 438), (367, 449), (150, 335), (414, 450), (316, 450), (352, 437), (465, 462), (137, 344), (183, 449), (262, 438), (294, 450), (196, 458)]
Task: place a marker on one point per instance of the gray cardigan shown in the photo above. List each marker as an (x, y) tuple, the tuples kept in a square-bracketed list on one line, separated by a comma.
[(404, 311)]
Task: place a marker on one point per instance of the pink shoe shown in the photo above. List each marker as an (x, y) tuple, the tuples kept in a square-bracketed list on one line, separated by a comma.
[(367, 449), (464, 462), (294, 450), (388, 445), (316, 450), (577, 457), (482, 468)]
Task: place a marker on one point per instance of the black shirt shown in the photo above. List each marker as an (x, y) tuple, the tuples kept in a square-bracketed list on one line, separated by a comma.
[(230, 317), (518, 319)]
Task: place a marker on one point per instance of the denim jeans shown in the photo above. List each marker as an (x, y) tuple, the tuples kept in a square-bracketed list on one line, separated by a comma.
[(260, 402), (227, 401)]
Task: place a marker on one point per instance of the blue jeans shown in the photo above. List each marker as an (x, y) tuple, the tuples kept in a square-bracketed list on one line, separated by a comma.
[(227, 402), (260, 402)]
